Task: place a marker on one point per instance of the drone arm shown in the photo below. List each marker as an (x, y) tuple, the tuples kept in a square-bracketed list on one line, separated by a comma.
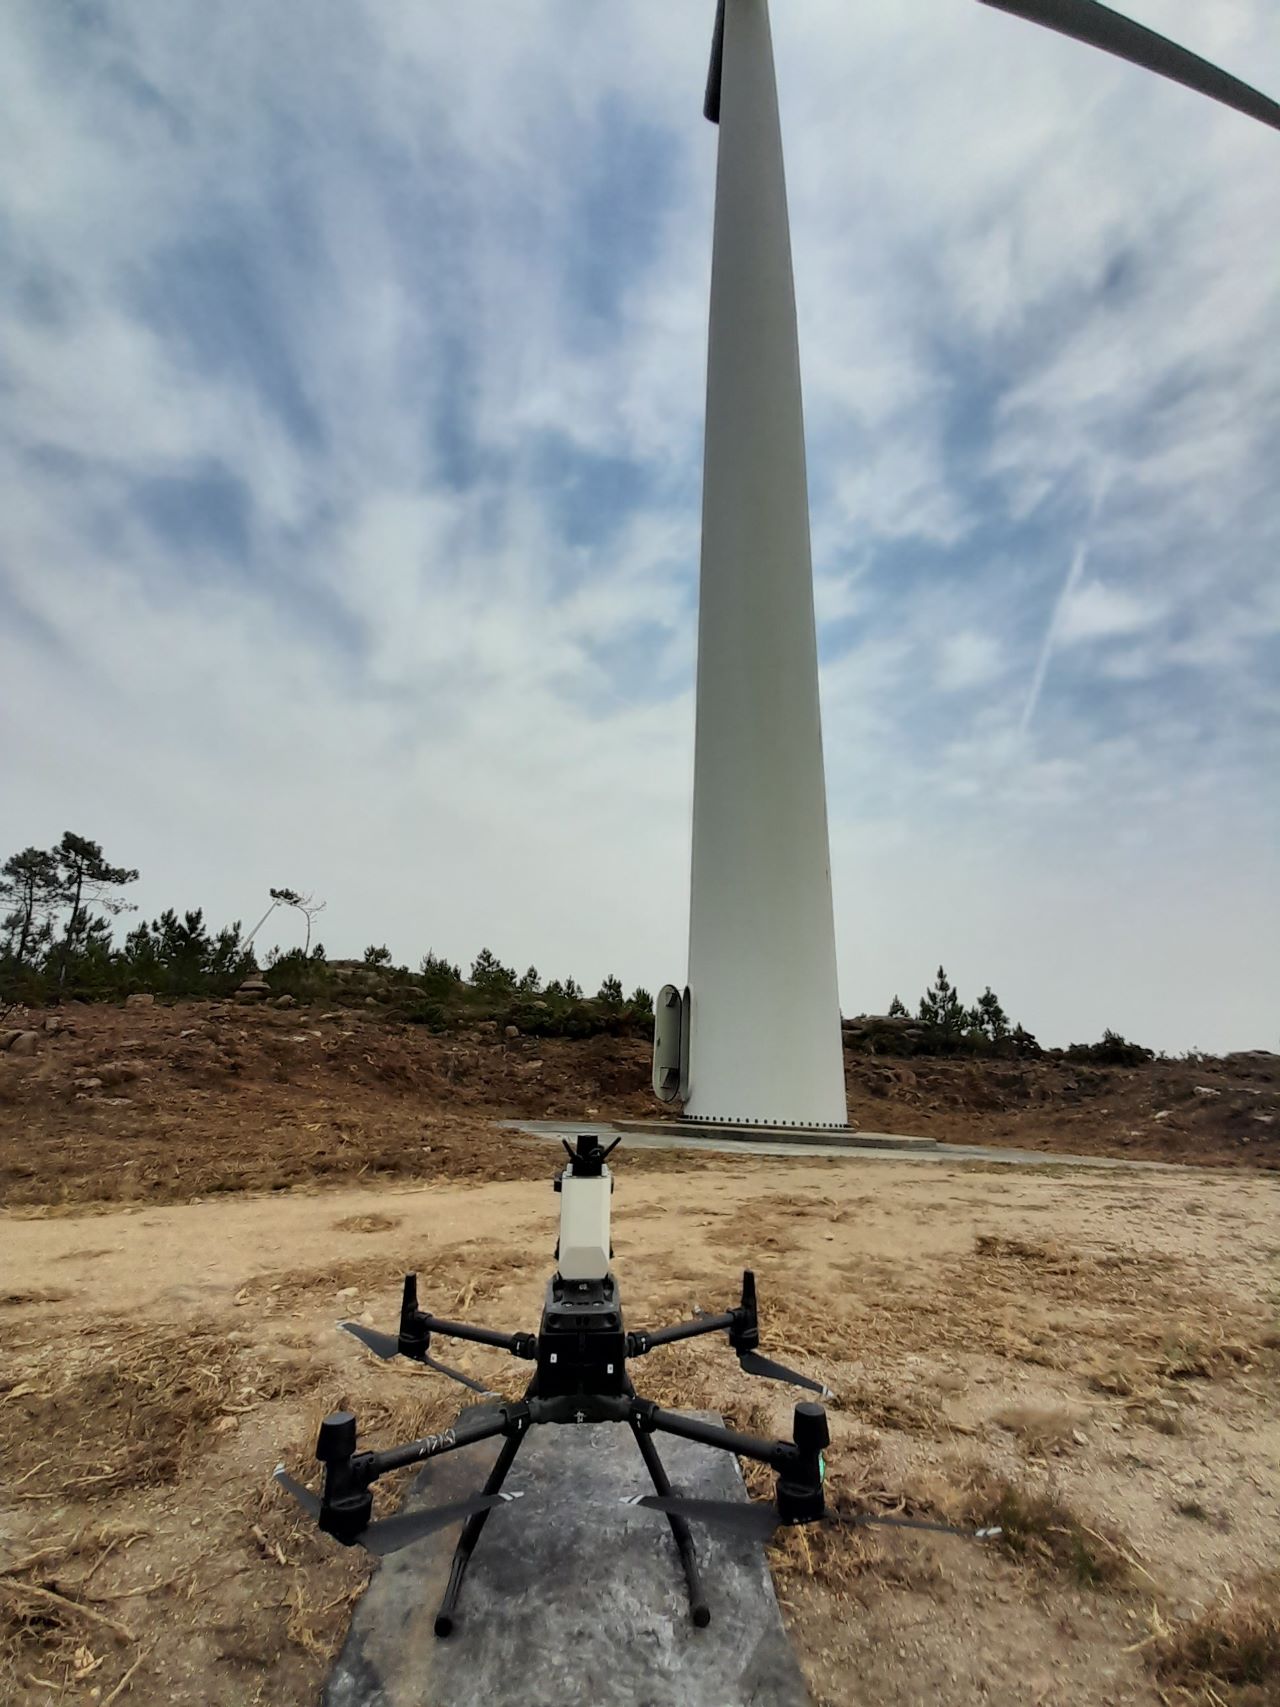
[(780, 1455), (519, 1345), (505, 1419), (638, 1344)]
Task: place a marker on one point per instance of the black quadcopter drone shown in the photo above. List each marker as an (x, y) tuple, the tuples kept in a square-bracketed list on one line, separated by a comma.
[(580, 1351)]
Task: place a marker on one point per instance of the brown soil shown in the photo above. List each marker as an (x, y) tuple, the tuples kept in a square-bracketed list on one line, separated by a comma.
[(1088, 1359), (174, 1102)]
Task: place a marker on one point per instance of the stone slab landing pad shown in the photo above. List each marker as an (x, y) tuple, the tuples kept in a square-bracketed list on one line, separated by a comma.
[(572, 1599)]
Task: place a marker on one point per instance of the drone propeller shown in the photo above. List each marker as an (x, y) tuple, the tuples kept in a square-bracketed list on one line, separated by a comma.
[(1098, 26), (759, 1521), (744, 1337), (753, 1364), (389, 1534), (309, 1502), (387, 1346)]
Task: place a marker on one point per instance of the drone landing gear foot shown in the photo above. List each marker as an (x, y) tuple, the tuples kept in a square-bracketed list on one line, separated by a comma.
[(471, 1534), (700, 1611)]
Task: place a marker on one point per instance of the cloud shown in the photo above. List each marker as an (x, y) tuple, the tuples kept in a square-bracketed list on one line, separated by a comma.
[(352, 364)]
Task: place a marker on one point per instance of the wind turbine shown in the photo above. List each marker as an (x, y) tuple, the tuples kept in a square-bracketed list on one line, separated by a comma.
[(754, 1038)]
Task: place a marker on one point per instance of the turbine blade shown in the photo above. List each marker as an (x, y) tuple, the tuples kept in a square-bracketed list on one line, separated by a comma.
[(1098, 26), (711, 104)]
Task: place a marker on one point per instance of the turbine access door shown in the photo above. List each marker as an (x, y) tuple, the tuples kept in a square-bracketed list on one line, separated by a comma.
[(670, 1044)]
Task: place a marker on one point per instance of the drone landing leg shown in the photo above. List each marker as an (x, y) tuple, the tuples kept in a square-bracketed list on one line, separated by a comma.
[(471, 1534), (679, 1528)]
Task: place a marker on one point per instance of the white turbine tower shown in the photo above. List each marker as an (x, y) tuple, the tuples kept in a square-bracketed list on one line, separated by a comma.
[(756, 1039)]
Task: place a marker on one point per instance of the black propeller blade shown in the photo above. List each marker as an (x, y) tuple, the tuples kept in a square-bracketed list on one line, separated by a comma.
[(309, 1502), (759, 1521), (754, 1364), (1098, 26), (389, 1534), (387, 1346)]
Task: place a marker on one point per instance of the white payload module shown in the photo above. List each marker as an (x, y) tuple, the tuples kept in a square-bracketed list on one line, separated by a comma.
[(760, 1036)]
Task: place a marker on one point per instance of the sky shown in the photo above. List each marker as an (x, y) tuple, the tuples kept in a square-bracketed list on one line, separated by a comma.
[(352, 363)]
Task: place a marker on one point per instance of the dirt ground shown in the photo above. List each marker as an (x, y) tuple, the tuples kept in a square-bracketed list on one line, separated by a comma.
[(173, 1102), (1088, 1358)]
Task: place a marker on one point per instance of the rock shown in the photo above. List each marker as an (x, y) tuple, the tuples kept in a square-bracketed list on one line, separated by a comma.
[(8, 1039), (53, 1023), (118, 1072), (87, 1084), (489, 1027), (511, 1031), (371, 1001), (24, 1042), (1206, 1091), (140, 999), (286, 1001)]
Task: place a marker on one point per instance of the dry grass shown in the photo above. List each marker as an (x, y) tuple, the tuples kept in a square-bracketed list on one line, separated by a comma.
[(1230, 1653), (1043, 1430), (367, 1224), (51, 1611), (1038, 1527), (128, 1406)]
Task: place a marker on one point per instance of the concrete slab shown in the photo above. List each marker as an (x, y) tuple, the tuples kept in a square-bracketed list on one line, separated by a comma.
[(572, 1598), (866, 1146), (824, 1136)]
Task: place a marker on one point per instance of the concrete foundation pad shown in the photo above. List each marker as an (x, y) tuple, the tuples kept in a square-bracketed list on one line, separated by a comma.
[(862, 1146), (571, 1597), (841, 1136)]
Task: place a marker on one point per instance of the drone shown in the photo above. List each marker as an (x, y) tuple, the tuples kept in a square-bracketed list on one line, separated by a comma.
[(581, 1352)]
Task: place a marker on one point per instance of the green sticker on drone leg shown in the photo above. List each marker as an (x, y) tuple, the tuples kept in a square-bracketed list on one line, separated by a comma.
[(822, 1467)]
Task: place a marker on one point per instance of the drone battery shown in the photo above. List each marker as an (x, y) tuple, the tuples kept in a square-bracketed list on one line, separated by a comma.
[(582, 1346)]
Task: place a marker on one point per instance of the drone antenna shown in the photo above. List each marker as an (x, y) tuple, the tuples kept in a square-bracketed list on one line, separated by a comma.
[(1098, 26)]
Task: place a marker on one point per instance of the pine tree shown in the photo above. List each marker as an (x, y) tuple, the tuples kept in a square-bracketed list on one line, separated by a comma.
[(941, 1009), (29, 886), (573, 990), (641, 1000), (375, 956), (488, 973), (531, 983), (610, 992), (898, 1009), (85, 880), (991, 1016)]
